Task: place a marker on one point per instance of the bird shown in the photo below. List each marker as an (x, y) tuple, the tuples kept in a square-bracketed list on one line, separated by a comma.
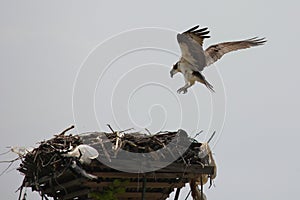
[(194, 59), (84, 153)]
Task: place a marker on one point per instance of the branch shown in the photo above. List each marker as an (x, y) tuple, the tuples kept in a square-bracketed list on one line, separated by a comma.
[(71, 127), (211, 137), (10, 164), (112, 130), (197, 134)]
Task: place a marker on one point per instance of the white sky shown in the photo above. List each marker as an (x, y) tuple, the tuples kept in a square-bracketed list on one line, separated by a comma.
[(43, 44)]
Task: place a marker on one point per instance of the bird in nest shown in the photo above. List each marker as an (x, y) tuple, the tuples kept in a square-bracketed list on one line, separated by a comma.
[(194, 59)]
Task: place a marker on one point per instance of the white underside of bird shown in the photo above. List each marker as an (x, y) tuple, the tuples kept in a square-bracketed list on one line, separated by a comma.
[(189, 78), (84, 152), (194, 59)]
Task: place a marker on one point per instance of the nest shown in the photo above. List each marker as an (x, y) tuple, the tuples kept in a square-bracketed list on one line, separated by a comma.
[(53, 158)]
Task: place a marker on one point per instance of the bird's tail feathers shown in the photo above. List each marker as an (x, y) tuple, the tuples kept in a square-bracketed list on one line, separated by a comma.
[(202, 80), (209, 86)]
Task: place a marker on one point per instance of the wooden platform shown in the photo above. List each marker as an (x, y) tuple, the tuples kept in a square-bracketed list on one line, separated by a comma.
[(156, 185), (50, 170)]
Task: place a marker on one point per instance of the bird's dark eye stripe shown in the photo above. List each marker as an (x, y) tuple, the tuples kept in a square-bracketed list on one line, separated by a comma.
[(175, 66)]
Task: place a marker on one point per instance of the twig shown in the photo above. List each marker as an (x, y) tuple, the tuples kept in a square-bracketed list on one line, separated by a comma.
[(20, 194), (211, 137), (197, 134), (177, 193), (9, 161), (6, 152), (10, 164), (62, 133), (148, 131), (129, 129), (112, 130), (187, 196), (201, 181)]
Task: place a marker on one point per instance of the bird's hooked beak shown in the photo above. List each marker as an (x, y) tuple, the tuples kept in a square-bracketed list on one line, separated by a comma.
[(172, 72)]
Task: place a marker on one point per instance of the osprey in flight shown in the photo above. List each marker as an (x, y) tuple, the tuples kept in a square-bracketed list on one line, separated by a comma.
[(194, 59)]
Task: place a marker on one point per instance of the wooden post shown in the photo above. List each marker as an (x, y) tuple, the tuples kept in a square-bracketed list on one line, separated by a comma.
[(144, 188), (177, 193), (201, 188)]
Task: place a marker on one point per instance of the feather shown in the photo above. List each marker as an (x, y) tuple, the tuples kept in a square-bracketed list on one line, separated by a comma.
[(190, 43), (215, 52)]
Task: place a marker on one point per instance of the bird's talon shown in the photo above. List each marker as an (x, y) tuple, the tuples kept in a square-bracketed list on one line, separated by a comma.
[(182, 90)]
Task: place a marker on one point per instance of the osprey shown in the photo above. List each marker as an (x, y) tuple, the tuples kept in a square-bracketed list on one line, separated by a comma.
[(194, 59)]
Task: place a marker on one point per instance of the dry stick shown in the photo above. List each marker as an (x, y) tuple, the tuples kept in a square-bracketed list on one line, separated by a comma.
[(148, 131), (10, 161), (71, 127), (52, 187), (45, 197), (187, 196), (5, 152), (10, 164), (177, 193), (13, 169), (129, 129), (211, 137), (201, 181), (20, 194), (6, 168), (112, 130), (198, 134), (178, 181)]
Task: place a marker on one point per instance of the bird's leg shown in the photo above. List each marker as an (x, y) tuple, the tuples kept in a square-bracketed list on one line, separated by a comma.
[(183, 89)]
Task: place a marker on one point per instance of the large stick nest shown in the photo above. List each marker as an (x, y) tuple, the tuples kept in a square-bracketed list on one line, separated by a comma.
[(49, 157)]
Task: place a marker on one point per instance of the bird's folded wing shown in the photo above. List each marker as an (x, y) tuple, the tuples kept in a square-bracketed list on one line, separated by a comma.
[(215, 52)]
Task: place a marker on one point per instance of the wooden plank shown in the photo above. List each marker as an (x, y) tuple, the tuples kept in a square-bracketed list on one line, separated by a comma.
[(136, 184), (156, 175), (148, 195), (174, 167), (62, 186), (75, 194), (196, 169)]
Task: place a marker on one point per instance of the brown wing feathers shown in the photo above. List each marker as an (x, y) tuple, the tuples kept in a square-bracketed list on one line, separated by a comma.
[(215, 52), (198, 35)]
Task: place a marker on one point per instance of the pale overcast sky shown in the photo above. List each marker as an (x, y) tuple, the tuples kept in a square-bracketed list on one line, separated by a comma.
[(43, 46)]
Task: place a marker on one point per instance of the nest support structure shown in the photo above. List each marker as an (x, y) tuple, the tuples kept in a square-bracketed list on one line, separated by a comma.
[(55, 171)]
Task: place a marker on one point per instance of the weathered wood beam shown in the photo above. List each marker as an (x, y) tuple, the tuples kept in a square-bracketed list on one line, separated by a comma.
[(75, 194), (62, 186), (155, 175), (136, 184), (174, 167), (148, 195)]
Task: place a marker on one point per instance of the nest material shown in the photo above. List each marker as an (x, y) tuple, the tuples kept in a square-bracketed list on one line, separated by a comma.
[(163, 146), (49, 160)]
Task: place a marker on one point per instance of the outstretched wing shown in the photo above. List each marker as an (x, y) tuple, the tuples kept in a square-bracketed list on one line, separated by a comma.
[(215, 52), (190, 43)]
